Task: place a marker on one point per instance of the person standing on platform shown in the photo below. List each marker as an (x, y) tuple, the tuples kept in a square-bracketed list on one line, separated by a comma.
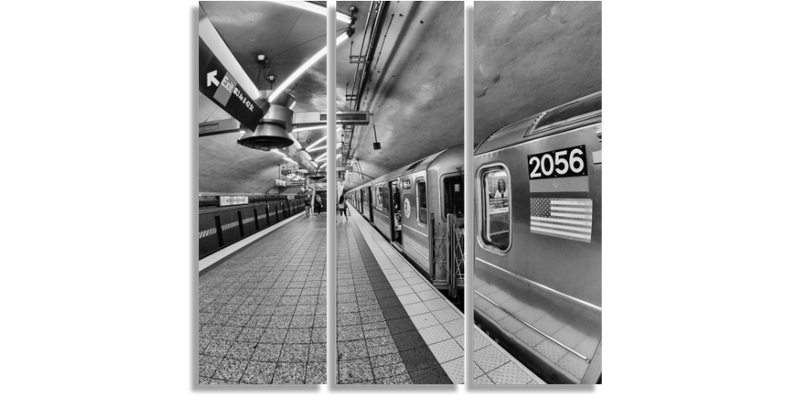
[(342, 206), (308, 206)]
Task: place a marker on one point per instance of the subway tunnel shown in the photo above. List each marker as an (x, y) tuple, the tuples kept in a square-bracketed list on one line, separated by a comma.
[(399, 307)]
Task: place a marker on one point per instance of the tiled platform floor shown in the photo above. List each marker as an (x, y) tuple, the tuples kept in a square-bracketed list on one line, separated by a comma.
[(493, 365), (439, 323), (410, 332), (263, 310)]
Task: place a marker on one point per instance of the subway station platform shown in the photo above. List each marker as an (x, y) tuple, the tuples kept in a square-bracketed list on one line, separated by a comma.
[(492, 365), (263, 309), (393, 327), (379, 307), (263, 315)]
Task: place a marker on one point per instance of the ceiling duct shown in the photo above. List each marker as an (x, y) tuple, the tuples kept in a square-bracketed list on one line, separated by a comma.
[(274, 128)]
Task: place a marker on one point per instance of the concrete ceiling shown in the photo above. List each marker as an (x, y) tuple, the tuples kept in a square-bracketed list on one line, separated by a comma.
[(532, 56), (416, 89), (288, 37), (529, 56)]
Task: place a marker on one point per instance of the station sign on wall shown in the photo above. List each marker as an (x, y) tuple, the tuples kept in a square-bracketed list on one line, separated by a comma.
[(220, 87), (226, 200)]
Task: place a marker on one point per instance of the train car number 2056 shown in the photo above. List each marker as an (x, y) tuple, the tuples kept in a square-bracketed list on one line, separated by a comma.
[(568, 162)]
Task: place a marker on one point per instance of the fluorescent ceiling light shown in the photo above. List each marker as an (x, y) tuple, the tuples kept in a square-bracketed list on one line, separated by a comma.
[(317, 142), (289, 160), (313, 8), (279, 152), (301, 129), (317, 56)]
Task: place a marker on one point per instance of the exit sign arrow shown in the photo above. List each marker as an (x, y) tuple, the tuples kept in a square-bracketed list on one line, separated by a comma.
[(212, 78), (225, 92)]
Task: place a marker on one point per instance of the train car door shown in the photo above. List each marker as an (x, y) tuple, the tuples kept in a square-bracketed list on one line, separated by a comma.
[(369, 193), (395, 213)]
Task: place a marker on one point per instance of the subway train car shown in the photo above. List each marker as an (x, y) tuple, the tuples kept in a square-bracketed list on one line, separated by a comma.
[(538, 227), (419, 209)]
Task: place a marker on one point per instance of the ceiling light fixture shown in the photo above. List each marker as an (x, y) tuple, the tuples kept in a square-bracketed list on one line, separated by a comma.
[(314, 9), (279, 152), (301, 129), (318, 141), (314, 59)]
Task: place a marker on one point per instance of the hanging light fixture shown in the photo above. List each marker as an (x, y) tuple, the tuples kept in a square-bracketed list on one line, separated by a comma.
[(273, 129)]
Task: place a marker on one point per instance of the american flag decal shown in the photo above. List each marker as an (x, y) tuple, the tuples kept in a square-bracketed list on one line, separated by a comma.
[(568, 218)]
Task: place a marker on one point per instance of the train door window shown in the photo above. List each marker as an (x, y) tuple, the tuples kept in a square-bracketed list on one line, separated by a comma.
[(453, 194), (379, 194), (422, 202), (495, 208)]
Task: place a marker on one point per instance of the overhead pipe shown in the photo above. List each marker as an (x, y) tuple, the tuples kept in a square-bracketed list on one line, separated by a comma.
[(370, 49), (376, 28), (370, 18)]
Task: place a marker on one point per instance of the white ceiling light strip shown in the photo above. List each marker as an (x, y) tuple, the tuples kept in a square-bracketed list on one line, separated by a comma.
[(301, 129), (302, 5), (317, 142), (296, 74)]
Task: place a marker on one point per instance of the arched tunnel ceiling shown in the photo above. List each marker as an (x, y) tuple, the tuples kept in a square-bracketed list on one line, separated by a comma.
[(288, 37), (532, 56), (416, 89), (529, 56)]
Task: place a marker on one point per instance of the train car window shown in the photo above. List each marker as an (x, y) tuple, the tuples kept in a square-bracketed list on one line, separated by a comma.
[(495, 208), (453, 187), (378, 199), (422, 202), (383, 197)]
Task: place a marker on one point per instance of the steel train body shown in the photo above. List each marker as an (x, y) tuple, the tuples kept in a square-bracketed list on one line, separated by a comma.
[(538, 228), (419, 208)]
